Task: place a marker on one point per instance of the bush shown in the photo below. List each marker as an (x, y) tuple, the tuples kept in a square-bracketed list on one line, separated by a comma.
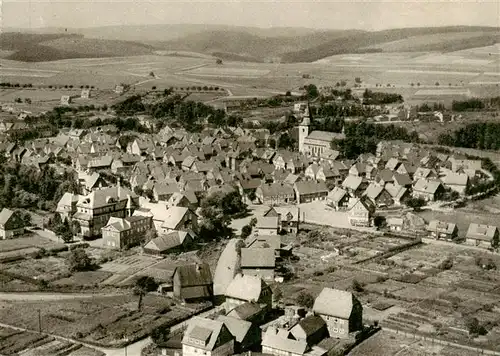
[(246, 231), (357, 287), (304, 299), (78, 260), (446, 264), (318, 273)]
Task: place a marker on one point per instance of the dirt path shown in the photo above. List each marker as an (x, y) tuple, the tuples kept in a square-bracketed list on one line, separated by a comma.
[(49, 296)]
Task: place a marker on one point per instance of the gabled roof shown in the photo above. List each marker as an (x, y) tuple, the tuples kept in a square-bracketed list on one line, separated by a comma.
[(202, 333), (481, 232), (5, 215), (166, 242), (341, 308), (337, 194), (373, 191), (269, 241), (267, 222), (276, 189), (441, 226), (106, 196), (455, 179), (427, 186), (237, 327), (325, 136), (257, 257), (352, 182), (194, 275), (273, 339), (402, 179), (311, 187), (173, 217), (246, 287), (310, 325)]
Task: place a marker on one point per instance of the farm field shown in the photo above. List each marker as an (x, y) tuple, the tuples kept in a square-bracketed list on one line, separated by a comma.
[(103, 320), (15, 342), (389, 344), (473, 71), (411, 289)]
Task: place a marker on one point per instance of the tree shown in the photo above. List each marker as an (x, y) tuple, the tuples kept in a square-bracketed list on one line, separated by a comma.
[(288, 93), (64, 231), (436, 84), (474, 327), (78, 260), (152, 74), (446, 264), (246, 231), (253, 222), (357, 80), (304, 299), (311, 91), (415, 203), (142, 286), (357, 287), (218, 61), (277, 295), (379, 221)]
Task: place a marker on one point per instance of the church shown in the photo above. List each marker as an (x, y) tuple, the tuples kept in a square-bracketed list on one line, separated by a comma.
[(316, 143)]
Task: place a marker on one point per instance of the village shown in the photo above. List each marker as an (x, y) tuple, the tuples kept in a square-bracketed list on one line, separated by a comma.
[(233, 239)]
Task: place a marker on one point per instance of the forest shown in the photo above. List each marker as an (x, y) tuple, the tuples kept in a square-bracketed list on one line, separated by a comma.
[(480, 135)]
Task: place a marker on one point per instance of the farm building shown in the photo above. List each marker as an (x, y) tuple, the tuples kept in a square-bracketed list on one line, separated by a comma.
[(429, 190), (275, 194), (308, 191), (65, 100), (360, 212), (342, 317), (193, 282), (85, 94), (482, 235), (338, 198), (245, 333), (11, 224)]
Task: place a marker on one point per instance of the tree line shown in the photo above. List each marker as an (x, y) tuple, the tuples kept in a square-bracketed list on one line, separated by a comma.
[(362, 137), (480, 135)]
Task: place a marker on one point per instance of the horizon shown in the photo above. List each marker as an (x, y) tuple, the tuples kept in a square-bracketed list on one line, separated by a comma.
[(371, 15)]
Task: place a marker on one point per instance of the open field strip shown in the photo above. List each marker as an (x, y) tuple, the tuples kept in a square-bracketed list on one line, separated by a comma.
[(417, 71)]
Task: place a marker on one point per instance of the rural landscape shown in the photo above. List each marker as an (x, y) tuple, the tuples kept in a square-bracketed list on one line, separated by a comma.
[(187, 189)]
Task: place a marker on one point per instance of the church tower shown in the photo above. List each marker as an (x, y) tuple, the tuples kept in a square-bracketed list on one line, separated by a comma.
[(303, 132)]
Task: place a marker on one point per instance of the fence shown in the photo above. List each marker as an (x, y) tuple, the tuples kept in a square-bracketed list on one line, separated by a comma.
[(442, 342)]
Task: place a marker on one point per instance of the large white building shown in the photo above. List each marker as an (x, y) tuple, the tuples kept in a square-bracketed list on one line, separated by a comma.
[(316, 143)]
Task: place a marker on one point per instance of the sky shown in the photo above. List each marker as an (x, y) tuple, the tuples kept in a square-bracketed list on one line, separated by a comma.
[(327, 14)]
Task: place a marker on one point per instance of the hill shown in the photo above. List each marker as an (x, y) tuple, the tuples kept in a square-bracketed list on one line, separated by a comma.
[(30, 47), (446, 39), (289, 45)]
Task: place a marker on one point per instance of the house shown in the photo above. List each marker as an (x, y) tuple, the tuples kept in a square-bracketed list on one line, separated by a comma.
[(457, 182), (354, 185), (246, 334), (343, 316), (65, 100), (179, 218), (312, 329), (246, 288), (442, 230), (94, 210), (85, 94), (275, 194), (193, 282), (247, 188), (280, 342), (171, 242), (267, 225), (289, 216), (429, 190), (399, 195), (125, 232), (395, 224), (378, 195), (338, 199), (207, 337), (252, 312), (258, 262), (93, 182), (163, 191), (66, 207), (11, 224), (360, 212), (308, 191), (482, 235)]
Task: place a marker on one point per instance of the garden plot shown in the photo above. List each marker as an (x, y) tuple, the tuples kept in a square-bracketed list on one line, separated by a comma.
[(107, 320), (129, 265), (81, 279), (48, 268)]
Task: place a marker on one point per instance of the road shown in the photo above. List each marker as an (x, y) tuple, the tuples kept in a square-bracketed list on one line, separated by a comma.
[(48, 296)]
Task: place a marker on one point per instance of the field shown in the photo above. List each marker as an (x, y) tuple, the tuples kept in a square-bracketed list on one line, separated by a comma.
[(389, 344), (403, 287), (105, 320), (14, 342), (472, 72), (13, 248)]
